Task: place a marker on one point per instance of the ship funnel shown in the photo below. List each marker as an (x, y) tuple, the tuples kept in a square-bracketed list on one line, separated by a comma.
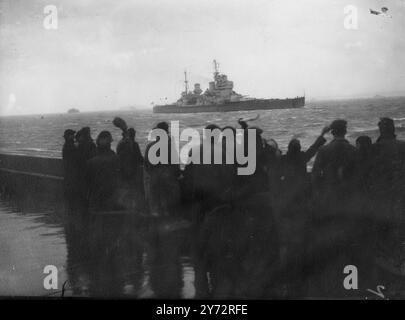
[(197, 88), (212, 86)]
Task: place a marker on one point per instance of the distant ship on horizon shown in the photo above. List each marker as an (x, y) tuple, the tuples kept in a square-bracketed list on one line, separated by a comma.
[(73, 110), (220, 97)]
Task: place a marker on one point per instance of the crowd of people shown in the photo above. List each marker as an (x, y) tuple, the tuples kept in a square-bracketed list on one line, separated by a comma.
[(351, 204)]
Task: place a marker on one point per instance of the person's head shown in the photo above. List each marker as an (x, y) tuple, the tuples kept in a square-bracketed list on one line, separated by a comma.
[(163, 126), (242, 123), (273, 147), (69, 135), (104, 140), (387, 127), (339, 128), (363, 143), (131, 133), (86, 132), (83, 135), (272, 144), (294, 146)]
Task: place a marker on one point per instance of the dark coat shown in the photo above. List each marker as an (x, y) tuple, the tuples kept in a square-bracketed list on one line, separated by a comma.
[(294, 165), (335, 164), (70, 164), (103, 178), (131, 159), (388, 170), (295, 182)]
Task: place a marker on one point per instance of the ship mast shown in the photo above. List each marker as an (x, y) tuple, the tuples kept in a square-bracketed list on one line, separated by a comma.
[(216, 67), (185, 81)]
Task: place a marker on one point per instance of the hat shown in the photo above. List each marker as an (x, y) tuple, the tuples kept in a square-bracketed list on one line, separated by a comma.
[(338, 125), (163, 125), (104, 135)]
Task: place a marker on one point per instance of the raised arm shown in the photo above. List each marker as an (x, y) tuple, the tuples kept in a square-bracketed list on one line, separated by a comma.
[(319, 142)]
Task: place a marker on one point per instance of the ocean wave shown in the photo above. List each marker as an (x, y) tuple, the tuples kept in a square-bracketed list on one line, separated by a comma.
[(41, 138), (373, 131), (33, 149)]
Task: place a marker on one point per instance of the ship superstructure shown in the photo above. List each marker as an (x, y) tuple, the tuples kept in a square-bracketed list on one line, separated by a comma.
[(219, 91)]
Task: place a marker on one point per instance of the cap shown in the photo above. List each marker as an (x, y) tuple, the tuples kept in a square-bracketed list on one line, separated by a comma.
[(163, 125), (338, 125)]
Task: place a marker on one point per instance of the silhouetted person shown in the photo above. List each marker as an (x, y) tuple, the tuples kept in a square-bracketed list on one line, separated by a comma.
[(162, 186), (295, 161), (294, 175), (272, 155), (188, 180), (365, 158), (213, 183), (69, 145), (364, 146), (389, 160), (294, 206), (70, 166), (104, 175), (85, 144), (334, 165), (258, 181), (130, 156), (131, 161), (86, 149), (242, 123), (388, 187), (336, 224), (229, 149)]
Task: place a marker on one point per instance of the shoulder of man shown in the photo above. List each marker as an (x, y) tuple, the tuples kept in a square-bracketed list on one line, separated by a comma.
[(325, 147)]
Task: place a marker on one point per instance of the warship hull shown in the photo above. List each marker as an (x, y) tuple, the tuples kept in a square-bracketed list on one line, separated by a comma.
[(247, 105)]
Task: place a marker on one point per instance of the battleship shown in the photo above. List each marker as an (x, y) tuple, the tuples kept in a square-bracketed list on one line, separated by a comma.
[(220, 97)]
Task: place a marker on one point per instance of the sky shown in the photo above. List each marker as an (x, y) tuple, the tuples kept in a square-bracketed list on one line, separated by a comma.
[(109, 55)]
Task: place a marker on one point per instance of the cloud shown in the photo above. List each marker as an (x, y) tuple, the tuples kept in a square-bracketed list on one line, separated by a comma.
[(352, 45)]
